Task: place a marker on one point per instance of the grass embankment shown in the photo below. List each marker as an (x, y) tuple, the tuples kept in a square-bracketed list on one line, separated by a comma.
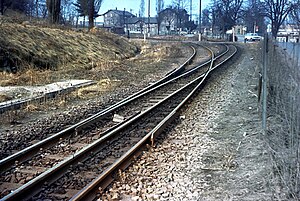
[(47, 54)]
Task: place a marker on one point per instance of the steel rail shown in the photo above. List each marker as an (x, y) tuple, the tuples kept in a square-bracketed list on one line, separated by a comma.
[(33, 186), (55, 172), (52, 174), (27, 152), (89, 192), (110, 109), (20, 103), (33, 149)]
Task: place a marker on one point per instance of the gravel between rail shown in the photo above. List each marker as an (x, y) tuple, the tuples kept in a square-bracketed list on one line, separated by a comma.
[(54, 116), (215, 152)]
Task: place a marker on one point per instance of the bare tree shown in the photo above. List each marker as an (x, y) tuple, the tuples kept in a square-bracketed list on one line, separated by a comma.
[(88, 8), (277, 11), (206, 17), (82, 10), (159, 8), (159, 5), (20, 5), (37, 7), (54, 10), (94, 7), (295, 15), (142, 8), (253, 15), (91, 4), (4, 4), (181, 13), (181, 4), (68, 12), (169, 16), (227, 13)]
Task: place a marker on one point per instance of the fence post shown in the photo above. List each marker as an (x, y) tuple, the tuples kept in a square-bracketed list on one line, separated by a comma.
[(264, 84)]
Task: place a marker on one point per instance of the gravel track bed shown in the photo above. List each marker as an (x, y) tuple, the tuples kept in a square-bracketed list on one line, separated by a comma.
[(215, 151), (44, 123)]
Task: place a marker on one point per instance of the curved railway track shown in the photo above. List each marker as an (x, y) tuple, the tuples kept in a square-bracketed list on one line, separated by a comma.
[(59, 166), (8, 147)]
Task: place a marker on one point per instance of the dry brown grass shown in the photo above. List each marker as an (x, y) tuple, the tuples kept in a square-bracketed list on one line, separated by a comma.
[(50, 48), (102, 86), (156, 53), (31, 108), (33, 47), (284, 122), (4, 97)]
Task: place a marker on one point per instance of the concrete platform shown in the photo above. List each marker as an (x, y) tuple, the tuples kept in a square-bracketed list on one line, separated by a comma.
[(22, 95)]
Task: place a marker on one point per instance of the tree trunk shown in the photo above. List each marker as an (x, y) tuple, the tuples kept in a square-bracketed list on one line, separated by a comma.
[(54, 10), (91, 13), (275, 28), (2, 7), (77, 19), (37, 8)]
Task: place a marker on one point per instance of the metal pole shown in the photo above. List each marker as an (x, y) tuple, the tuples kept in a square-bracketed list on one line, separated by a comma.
[(200, 20), (148, 17), (264, 84), (124, 17), (200, 13), (191, 9)]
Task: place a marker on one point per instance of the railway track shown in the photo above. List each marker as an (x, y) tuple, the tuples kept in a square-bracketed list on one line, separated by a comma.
[(85, 151), (9, 147)]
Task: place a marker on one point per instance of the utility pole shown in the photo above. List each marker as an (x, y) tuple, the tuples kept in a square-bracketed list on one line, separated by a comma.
[(200, 20), (148, 17), (191, 9)]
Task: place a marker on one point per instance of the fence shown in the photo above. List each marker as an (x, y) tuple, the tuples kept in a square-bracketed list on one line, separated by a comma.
[(282, 114)]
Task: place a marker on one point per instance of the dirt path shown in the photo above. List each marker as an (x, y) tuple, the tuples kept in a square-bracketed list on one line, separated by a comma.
[(214, 153)]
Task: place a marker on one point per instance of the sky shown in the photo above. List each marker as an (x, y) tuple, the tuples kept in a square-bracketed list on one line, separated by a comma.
[(135, 5)]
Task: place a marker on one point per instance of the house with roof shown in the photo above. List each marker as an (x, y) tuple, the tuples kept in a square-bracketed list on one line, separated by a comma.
[(173, 20), (121, 21), (288, 33), (140, 25), (169, 20), (115, 20)]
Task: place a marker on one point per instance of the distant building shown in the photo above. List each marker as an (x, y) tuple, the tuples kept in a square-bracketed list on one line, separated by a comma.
[(85, 23), (173, 20), (288, 33), (168, 21), (120, 22), (139, 25), (115, 20)]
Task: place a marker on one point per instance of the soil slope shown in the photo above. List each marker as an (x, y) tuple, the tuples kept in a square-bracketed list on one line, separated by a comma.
[(43, 47)]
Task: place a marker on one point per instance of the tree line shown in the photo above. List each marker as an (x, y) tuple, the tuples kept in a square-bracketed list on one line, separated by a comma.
[(223, 14), (57, 11)]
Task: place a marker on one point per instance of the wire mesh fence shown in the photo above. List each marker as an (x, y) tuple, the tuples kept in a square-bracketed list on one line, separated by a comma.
[(283, 116)]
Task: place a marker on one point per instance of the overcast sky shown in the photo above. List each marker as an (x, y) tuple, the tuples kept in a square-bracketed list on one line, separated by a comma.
[(135, 5)]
